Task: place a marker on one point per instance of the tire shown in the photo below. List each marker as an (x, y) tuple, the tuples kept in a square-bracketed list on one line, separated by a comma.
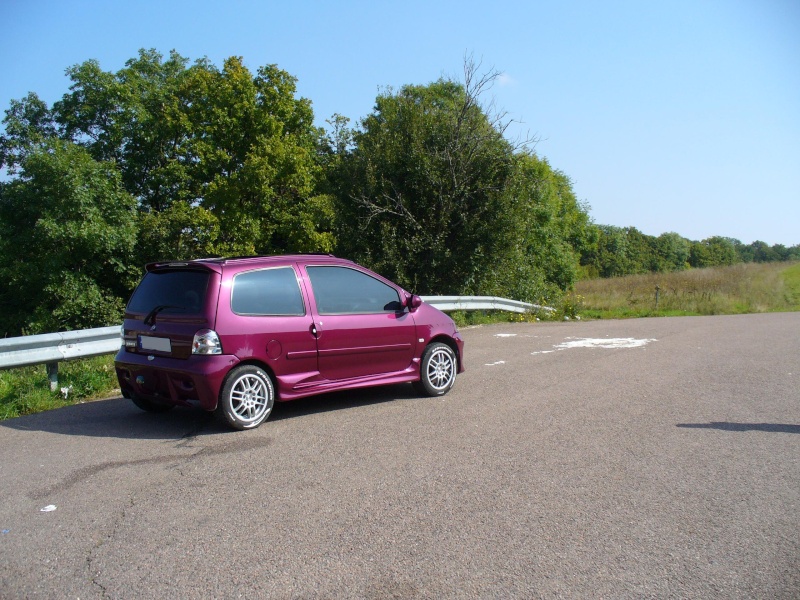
[(437, 370), (247, 397), (151, 405)]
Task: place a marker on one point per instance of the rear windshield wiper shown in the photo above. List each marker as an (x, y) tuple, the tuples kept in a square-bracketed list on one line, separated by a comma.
[(150, 319)]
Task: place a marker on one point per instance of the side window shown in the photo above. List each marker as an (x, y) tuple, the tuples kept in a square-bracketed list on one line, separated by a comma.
[(267, 292), (344, 291)]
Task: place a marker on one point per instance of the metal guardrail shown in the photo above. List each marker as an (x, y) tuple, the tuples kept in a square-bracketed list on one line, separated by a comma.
[(52, 348), (483, 303)]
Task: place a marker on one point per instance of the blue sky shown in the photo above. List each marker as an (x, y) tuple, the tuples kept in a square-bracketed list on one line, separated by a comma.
[(668, 116)]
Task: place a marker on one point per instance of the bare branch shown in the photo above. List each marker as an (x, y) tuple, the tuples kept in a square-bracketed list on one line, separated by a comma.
[(477, 84)]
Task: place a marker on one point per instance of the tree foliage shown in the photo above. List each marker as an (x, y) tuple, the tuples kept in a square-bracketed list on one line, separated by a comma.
[(167, 159), (427, 172), (214, 161), (431, 193), (67, 231), (545, 232), (241, 146), (627, 251)]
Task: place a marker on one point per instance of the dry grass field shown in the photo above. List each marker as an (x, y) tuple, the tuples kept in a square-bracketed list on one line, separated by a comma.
[(743, 288)]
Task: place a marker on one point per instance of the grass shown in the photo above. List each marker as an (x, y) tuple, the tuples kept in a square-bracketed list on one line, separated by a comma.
[(791, 284), (745, 288), (26, 390), (738, 289)]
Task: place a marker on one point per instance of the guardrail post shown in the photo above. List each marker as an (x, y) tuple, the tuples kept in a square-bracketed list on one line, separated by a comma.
[(52, 375)]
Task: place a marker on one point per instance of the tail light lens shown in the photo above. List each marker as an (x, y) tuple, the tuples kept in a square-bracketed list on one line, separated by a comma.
[(206, 341)]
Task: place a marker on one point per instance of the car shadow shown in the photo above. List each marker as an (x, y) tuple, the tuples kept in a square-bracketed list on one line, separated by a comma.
[(342, 400), (119, 418), (727, 426)]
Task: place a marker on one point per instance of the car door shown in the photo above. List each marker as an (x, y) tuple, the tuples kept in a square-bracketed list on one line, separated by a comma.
[(361, 326), (268, 321)]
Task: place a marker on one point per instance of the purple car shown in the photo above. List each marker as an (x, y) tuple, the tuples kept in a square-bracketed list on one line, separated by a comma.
[(234, 335)]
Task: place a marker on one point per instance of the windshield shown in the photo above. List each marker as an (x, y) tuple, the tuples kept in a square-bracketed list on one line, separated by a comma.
[(170, 292)]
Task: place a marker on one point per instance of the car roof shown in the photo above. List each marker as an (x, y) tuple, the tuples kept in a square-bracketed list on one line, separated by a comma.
[(218, 263)]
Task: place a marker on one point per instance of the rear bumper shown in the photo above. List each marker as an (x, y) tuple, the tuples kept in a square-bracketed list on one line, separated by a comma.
[(195, 381)]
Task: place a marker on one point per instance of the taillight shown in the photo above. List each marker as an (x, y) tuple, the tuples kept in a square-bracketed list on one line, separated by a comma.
[(127, 343), (206, 341)]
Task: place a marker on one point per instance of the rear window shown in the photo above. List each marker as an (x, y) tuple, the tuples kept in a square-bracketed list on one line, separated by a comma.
[(267, 292), (176, 292)]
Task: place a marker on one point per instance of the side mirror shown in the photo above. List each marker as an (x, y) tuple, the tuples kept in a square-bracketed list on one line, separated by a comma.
[(413, 302)]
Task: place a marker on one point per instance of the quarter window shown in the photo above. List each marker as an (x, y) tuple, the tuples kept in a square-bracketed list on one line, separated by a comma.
[(267, 292), (345, 291)]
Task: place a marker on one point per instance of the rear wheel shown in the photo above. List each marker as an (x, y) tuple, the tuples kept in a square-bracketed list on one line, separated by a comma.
[(151, 405), (247, 398), (437, 370)]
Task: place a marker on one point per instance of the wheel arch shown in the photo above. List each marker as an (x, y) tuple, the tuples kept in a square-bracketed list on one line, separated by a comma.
[(446, 339), (255, 363)]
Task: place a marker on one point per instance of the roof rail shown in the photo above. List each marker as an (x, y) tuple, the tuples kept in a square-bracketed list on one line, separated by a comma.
[(277, 256)]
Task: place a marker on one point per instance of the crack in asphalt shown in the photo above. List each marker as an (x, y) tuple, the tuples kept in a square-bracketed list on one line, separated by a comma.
[(94, 577)]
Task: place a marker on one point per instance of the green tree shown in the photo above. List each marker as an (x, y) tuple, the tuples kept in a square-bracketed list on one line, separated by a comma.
[(422, 190), (672, 251), (135, 118), (743, 251), (239, 145), (430, 193), (257, 160), (546, 229), (67, 234), (611, 257), (760, 251), (28, 124), (793, 252), (180, 232), (763, 252), (642, 252), (218, 161), (714, 251)]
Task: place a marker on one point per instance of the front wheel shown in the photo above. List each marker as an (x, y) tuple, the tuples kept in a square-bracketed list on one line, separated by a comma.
[(247, 398), (437, 370)]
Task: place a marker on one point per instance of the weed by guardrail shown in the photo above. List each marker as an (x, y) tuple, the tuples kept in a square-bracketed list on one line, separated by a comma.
[(26, 390)]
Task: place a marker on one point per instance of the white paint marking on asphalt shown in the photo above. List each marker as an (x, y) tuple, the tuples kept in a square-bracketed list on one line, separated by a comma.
[(603, 343), (571, 342), (609, 343)]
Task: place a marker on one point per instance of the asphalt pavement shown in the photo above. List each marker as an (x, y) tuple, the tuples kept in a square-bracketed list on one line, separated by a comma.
[(649, 458)]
